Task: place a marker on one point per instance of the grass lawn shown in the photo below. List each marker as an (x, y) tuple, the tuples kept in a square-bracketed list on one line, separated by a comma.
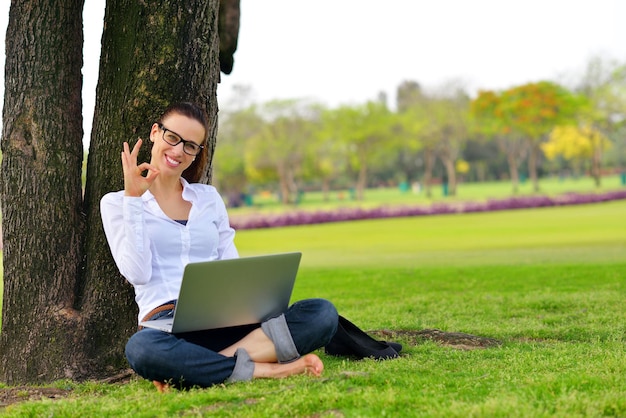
[(548, 283)]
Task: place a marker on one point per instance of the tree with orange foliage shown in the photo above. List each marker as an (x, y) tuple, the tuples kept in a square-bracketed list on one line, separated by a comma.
[(532, 110), (489, 122)]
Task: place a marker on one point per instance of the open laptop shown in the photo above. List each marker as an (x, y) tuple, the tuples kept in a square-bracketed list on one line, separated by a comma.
[(227, 293)]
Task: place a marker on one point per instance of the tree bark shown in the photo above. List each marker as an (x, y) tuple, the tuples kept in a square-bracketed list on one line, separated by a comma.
[(326, 189), (596, 161), (513, 171), (152, 55), (361, 182), (67, 312), (448, 164), (515, 149), (533, 154), (429, 165), (41, 188), (283, 181)]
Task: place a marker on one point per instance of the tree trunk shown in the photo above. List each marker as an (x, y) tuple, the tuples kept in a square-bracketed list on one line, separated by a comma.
[(361, 182), (533, 153), (429, 165), (41, 189), (67, 311), (515, 150), (513, 171), (293, 184), (448, 163), (596, 166), (283, 183), (153, 54), (326, 189)]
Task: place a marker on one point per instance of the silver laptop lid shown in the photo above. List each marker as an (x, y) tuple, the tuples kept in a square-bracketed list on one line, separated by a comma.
[(241, 291)]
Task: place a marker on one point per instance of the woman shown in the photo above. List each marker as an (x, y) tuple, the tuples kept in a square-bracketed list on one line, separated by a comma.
[(165, 219)]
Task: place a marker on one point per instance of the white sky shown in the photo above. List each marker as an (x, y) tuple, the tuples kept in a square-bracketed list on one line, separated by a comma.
[(347, 51)]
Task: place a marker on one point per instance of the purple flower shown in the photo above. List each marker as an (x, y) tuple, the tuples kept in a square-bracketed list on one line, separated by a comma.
[(257, 221)]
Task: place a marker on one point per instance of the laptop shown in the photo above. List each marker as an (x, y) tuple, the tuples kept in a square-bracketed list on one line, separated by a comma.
[(228, 293)]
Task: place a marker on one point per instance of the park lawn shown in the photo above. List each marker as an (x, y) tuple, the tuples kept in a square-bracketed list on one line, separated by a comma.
[(547, 283), (583, 233)]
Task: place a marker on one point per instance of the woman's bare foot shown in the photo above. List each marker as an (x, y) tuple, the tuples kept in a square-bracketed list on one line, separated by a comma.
[(161, 387), (309, 364)]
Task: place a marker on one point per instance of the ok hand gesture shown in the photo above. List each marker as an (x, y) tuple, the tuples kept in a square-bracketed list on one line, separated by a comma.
[(135, 184)]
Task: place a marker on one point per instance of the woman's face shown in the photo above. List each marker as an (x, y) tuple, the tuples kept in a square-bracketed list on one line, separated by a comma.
[(172, 159)]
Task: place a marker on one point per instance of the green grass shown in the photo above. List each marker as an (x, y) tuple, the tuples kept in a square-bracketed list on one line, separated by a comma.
[(533, 236), (548, 283)]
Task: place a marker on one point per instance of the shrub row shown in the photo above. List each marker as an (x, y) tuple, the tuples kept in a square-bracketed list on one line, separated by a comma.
[(257, 221)]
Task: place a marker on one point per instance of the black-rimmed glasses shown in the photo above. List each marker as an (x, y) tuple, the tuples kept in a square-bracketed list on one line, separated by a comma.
[(172, 138)]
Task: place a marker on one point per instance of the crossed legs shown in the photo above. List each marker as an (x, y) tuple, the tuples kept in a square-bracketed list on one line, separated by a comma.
[(272, 351), (263, 353)]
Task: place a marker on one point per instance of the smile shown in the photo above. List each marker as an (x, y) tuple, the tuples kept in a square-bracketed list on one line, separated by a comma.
[(171, 161)]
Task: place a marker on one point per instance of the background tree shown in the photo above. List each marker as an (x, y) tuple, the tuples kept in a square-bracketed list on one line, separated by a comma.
[(408, 94), (408, 133), (418, 126), (277, 151), (533, 110), (493, 122), (67, 312), (325, 155), (451, 110), (578, 144), (485, 160), (410, 128), (603, 83), (433, 114), (365, 129), (229, 174), (495, 137)]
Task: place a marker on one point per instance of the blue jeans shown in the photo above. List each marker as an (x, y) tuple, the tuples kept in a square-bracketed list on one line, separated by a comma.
[(192, 358)]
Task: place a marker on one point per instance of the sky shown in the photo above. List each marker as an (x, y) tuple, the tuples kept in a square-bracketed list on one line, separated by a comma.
[(348, 51)]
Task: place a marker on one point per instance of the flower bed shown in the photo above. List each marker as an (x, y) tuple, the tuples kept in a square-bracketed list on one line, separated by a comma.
[(308, 218)]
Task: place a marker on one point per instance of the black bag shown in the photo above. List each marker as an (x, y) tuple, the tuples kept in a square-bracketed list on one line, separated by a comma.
[(350, 340)]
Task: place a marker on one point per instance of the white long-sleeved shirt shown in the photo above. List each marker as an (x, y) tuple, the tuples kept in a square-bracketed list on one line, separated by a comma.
[(151, 250)]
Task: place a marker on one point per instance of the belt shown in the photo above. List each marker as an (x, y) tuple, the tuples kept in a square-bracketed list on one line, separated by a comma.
[(165, 307)]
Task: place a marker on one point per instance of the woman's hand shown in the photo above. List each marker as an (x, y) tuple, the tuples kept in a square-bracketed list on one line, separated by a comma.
[(135, 184)]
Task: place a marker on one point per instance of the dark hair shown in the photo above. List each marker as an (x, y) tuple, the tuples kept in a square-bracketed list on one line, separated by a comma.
[(194, 172)]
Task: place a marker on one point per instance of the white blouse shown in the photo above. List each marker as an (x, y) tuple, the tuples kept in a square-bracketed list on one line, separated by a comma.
[(151, 250)]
